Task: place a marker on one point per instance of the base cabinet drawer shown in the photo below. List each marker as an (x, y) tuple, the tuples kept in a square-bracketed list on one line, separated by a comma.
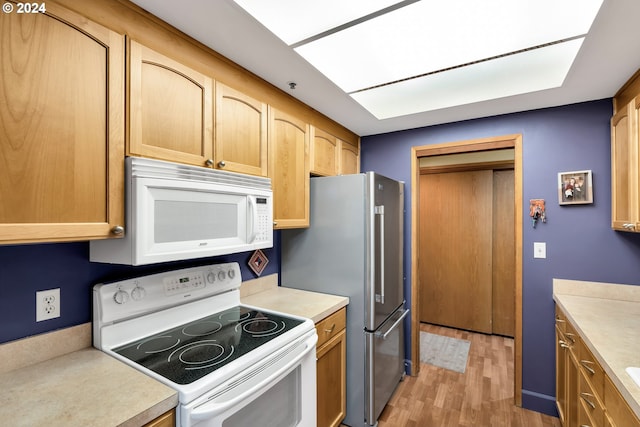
[(590, 401), (168, 419)]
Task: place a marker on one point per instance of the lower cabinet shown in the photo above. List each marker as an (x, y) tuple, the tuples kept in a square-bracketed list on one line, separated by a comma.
[(331, 369), (168, 419), (585, 395), (566, 371)]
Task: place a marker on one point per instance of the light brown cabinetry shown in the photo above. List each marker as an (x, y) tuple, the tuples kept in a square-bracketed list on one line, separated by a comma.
[(625, 160), (324, 153), (329, 155), (240, 132), (331, 369), (588, 397), (567, 342), (619, 413), (349, 158), (289, 169), (61, 127), (170, 108), (168, 419)]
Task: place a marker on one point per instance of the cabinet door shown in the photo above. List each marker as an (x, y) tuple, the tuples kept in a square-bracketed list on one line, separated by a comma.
[(331, 381), (349, 159), (241, 132), (289, 169), (170, 108), (561, 376), (61, 127), (624, 169), (324, 153)]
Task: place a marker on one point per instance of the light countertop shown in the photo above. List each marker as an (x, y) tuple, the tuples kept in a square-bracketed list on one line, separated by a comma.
[(607, 317), (313, 305), (83, 388)]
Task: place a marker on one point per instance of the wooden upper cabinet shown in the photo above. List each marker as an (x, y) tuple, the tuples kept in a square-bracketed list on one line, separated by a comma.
[(170, 108), (289, 169), (349, 159), (624, 168), (241, 132), (61, 127), (324, 153)]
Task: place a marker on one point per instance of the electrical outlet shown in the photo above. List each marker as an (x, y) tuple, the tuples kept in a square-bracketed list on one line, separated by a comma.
[(47, 304)]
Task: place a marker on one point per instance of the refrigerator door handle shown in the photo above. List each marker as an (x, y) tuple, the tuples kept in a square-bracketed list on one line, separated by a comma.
[(400, 319), (379, 210)]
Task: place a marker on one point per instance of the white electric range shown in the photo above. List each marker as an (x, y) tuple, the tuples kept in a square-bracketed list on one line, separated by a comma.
[(231, 364)]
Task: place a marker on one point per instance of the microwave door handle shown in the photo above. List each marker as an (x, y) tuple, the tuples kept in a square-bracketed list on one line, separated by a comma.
[(253, 212)]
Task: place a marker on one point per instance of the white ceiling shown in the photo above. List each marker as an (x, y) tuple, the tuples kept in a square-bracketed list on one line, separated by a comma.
[(609, 55)]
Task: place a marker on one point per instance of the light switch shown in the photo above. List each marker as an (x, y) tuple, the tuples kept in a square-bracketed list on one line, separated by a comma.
[(539, 250)]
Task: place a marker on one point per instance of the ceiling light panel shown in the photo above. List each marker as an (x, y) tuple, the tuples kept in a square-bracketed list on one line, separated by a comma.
[(296, 20), (429, 36), (530, 71)]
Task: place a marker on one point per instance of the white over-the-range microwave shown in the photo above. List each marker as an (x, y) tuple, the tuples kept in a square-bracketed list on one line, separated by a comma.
[(177, 212)]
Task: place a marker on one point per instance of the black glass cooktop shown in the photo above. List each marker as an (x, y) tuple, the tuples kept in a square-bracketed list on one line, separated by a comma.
[(189, 352)]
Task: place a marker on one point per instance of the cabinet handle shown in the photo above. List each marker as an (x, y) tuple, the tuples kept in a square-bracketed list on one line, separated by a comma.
[(222, 164), (208, 163), (585, 397), (118, 230), (563, 344), (559, 320), (570, 337), (584, 425), (330, 329), (584, 364)]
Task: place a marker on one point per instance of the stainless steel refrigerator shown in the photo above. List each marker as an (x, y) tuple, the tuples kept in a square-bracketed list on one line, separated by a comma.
[(354, 248)]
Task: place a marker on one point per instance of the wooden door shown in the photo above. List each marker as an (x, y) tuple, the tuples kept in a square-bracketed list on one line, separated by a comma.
[(504, 254), (456, 249), (241, 132), (289, 169), (170, 109), (61, 127)]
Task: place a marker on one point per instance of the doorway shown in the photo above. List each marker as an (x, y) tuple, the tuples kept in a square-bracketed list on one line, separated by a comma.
[(513, 142)]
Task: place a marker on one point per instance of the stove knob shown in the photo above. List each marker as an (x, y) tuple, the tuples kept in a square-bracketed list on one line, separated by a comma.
[(221, 275), (211, 277), (138, 293), (121, 297), (231, 273)]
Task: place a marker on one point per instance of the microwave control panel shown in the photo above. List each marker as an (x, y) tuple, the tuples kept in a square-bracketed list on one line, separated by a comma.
[(262, 227)]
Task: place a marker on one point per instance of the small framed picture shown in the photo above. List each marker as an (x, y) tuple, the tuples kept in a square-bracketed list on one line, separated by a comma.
[(575, 188)]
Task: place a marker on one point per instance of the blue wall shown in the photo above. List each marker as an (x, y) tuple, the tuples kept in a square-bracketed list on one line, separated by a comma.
[(25, 269), (580, 242)]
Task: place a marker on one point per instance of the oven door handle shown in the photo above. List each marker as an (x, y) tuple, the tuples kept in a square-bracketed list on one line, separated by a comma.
[(250, 383)]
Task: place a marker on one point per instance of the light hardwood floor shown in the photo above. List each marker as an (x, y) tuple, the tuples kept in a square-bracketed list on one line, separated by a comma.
[(481, 397)]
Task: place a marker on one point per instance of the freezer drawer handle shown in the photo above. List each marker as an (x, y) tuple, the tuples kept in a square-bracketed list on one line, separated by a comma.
[(384, 336)]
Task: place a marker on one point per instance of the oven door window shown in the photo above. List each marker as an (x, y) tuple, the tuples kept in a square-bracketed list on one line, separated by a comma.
[(278, 406)]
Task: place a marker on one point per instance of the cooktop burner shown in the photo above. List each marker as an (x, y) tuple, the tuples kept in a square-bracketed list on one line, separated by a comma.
[(189, 352)]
